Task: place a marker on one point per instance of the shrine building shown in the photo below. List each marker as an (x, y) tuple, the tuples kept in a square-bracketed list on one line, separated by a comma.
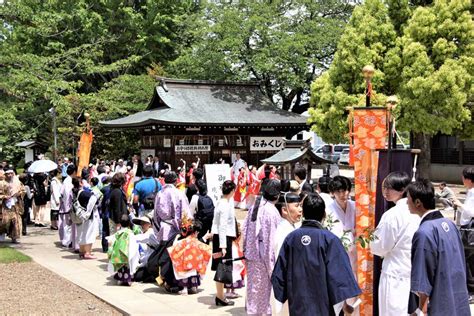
[(212, 120)]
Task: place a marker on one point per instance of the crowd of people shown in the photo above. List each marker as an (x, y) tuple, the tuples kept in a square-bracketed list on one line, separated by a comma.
[(297, 241)]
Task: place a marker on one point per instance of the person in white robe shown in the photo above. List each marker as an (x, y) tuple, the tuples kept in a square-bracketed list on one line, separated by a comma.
[(393, 240), (340, 220), (341, 213), (322, 189), (291, 212), (146, 239), (238, 164)]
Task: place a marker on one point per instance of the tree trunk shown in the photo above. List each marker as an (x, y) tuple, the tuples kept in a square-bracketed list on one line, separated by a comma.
[(423, 142), (286, 103), (288, 99)]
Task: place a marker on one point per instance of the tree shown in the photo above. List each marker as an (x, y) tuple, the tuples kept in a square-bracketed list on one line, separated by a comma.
[(429, 68), (125, 95), (282, 44), (369, 38), (400, 11), (61, 53), (437, 71)]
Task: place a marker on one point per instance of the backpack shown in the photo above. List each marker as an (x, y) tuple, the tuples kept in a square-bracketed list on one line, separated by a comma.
[(205, 209), (79, 213), (149, 200)]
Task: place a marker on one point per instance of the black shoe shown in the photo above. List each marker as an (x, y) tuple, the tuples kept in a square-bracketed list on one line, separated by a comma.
[(220, 302), (192, 290), (37, 225), (41, 225), (24, 233)]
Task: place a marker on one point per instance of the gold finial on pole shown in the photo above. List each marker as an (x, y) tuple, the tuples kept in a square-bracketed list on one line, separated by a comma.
[(368, 72), (392, 102)]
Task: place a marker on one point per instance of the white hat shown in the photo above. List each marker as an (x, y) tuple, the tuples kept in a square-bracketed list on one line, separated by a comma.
[(140, 220)]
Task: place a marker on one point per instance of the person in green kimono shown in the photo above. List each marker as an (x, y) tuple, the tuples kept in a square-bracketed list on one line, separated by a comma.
[(123, 254)]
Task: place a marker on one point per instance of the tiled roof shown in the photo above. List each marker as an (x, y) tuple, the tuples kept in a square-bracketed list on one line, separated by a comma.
[(184, 102)]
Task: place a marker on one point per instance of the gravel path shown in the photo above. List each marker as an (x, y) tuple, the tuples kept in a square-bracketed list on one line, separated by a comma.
[(30, 289)]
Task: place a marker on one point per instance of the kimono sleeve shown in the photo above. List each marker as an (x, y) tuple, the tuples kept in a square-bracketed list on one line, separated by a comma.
[(221, 211), (279, 275), (423, 263), (266, 248), (91, 203), (468, 207), (184, 208), (341, 283), (386, 234)]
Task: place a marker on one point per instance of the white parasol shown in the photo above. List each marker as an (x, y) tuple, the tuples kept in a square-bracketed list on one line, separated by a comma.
[(41, 166)]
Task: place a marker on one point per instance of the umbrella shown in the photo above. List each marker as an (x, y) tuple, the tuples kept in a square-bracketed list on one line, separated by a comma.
[(40, 166)]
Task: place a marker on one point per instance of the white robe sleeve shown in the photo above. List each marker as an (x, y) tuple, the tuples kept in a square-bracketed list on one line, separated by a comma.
[(222, 226), (385, 236), (193, 204), (467, 208), (133, 255), (92, 203)]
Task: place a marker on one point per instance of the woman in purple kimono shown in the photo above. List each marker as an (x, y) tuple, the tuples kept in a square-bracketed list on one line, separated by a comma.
[(259, 234)]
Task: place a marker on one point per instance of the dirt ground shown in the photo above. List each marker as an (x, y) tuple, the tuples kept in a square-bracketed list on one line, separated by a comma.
[(29, 289)]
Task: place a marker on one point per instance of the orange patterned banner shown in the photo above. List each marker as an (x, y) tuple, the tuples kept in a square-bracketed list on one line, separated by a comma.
[(369, 131), (84, 151)]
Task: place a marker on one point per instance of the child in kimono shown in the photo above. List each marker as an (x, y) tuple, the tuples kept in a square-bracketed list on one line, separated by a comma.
[(189, 257), (240, 191), (181, 171), (238, 268), (123, 254)]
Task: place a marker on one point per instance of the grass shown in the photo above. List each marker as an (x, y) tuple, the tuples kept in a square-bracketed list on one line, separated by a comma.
[(10, 255)]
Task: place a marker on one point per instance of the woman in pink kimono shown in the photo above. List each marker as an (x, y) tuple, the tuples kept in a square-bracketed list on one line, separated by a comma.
[(259, 235)]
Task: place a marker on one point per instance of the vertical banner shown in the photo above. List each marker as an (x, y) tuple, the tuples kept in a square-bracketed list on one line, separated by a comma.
[(84, 151), (216, 174), (369, 131)]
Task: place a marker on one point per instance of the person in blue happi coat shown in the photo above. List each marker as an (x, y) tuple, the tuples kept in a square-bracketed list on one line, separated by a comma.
[(313, 271), (438, 275)]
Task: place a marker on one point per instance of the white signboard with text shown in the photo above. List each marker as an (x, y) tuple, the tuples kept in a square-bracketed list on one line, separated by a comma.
[(266, 143), (216, 174), (191, 148)]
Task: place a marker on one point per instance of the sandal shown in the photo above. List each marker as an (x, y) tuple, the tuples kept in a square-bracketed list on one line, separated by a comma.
[(88, 256), (232, 295)]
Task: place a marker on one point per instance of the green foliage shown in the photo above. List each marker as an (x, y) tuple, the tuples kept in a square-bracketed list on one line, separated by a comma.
[(400, 11), (437, 68), (66, 54), (369, 38), (125, 95), (364, 239), (283, 44), (430, 68), (10, 255)]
